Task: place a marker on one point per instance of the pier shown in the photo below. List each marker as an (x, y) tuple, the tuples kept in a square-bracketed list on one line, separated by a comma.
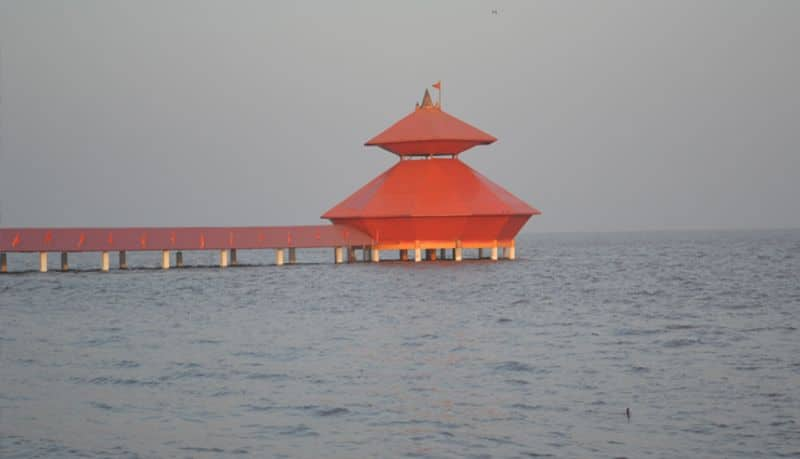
[(344, 241)]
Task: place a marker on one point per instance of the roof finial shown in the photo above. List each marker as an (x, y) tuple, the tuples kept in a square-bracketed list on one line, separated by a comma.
[(426, 100)]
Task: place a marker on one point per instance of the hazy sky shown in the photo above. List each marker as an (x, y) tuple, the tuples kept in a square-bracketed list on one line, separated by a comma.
[(611, 115)]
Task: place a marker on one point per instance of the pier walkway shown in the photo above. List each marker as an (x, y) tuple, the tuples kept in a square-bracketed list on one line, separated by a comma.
[(224, 239)]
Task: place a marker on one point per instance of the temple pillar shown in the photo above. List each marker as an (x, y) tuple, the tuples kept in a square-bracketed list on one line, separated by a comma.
[(42, 262), (179, 259), (511, 252), (234, 260), (123, 259), (279, 257), (64, 261), (105, 261), (165, 259), (458, 252), (292, 255), (417, 252), (376, 255), (223, 258), (338, 255), (494, 251)]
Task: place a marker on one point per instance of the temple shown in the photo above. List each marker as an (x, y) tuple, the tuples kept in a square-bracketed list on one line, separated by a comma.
[(430, 199)]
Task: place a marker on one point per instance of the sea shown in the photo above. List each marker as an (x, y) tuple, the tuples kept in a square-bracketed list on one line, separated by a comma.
[(589, 345)]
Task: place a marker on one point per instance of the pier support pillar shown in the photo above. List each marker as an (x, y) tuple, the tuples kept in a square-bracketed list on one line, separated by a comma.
[(3, 263), (64, 261), (511, 251), (179, 259), (376, 255), (42, 262), (480, 254), (104, 261), (351, 254), (165, 259), (417, 254), (123, 259), (403, 254), (494, 251), (223, 258), (292, 255), (279, 257), (458, 252), (338, 255), (234, 260)]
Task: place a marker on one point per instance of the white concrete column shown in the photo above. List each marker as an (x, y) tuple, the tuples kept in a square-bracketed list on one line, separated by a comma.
[(234, 260), (338, 255), (123, 259), (292, 255), (104, 261), (223, 258), (376, 255), (165, 259), (511, 252), (179, 259), (42, 262), (279, 257), (3, 263), (64, 261), (494, 251)]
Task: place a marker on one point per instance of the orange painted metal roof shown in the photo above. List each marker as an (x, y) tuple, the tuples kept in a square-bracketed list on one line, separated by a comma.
[(178, 238), (430, 131), (430, 188)]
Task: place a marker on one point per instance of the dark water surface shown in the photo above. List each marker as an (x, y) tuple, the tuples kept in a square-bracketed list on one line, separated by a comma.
[(696, 332)]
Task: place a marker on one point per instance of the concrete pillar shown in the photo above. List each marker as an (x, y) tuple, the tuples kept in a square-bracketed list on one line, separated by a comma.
[(3, 263), (223, 258), (376, 255), (234, 260), (403, 254), (42, 262), (351, 254), (458, 254), (165, 259), (338, 255), (494, 251), (292, 255), (417, 254), (123, 259), (179, 259), (104, 261), (512, 251), (279, 257), (64, 261), (480, 254)]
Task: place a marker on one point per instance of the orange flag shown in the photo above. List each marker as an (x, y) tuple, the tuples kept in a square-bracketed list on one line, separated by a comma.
[(438, 85)]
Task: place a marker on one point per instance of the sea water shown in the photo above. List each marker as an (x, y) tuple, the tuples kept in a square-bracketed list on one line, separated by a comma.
[(696, 333)]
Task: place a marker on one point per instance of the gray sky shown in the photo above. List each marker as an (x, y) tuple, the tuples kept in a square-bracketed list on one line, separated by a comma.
[(612, 115)]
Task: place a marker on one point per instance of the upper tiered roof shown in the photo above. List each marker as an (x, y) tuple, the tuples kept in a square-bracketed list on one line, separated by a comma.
[(429, 131)]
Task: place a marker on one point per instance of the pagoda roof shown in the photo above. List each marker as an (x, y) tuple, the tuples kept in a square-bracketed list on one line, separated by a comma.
[(430, 188), (428, 130)]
